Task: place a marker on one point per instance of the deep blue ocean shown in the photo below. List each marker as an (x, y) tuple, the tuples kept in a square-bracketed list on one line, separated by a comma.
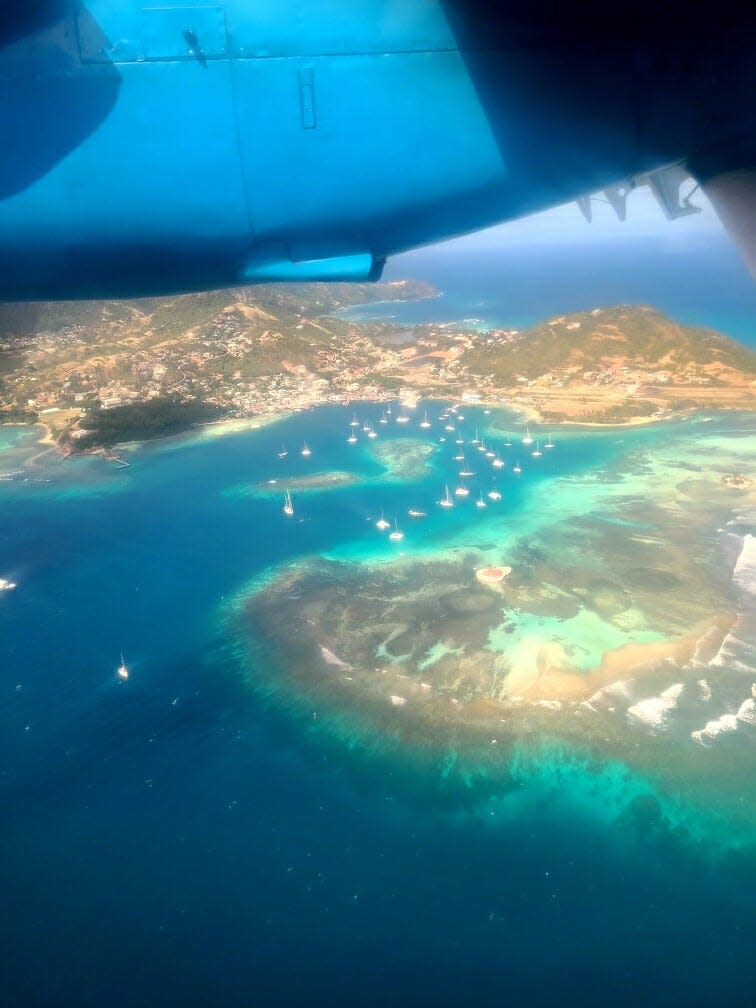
[(704, 283), (175, 840)]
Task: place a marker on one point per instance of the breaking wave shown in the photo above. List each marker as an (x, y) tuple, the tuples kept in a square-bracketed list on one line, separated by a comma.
[(738, 649)]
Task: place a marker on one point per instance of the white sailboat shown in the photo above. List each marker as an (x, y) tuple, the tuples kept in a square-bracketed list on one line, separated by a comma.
[(527, 439), (516, 467), (537, 452), (449, 427), (507, 443), (462, 491), (382, 523), (414, 513), (123, 671), (306, 451), (354, 422), (476, 439), (480, 503), (446, 501), (425, 422), (490, 454), (372, 433), (283, 453), (498, 462), (549, 443), (288, 508), (352, 439), (384, 418), (396, 535), (494, 495)]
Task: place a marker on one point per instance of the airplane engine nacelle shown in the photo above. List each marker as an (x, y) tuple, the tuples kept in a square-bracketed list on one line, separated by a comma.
[(181, 146)]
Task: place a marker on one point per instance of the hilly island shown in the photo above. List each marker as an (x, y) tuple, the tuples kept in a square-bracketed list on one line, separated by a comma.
[(99, 373), (540, 575)]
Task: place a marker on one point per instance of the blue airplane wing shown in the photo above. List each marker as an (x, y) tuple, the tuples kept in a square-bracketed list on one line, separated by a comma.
[(175, 146)]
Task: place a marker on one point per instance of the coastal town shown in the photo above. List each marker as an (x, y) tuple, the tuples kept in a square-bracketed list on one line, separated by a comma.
[(282, 348)]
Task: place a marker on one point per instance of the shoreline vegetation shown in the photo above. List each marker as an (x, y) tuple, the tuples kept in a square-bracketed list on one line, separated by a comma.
[(98, 374)]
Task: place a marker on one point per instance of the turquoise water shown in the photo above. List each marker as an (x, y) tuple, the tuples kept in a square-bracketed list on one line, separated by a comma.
[(186, 838)]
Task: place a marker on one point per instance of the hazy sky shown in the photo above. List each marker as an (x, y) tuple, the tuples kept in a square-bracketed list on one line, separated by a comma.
[(566, 224), (555, 262)]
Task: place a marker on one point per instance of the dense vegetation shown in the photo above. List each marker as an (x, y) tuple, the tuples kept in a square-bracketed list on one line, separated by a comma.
[(152, 418), (16, 415)]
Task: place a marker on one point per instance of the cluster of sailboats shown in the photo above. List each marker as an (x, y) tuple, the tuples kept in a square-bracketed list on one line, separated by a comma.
[(305, 452), (368, 428), (450, 420)]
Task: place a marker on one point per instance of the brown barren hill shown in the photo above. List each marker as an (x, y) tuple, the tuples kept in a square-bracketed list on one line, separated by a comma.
[(617, 364)]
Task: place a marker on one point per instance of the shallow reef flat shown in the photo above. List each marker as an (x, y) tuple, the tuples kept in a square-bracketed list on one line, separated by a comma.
[(611, 629), (313, 482), (404, 458)]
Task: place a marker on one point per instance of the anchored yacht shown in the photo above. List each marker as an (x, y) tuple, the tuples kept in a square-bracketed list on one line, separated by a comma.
[(446, 501), (396, 535)]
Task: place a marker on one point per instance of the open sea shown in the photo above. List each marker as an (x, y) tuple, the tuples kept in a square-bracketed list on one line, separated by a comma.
[(181, 838), (703, 283)]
